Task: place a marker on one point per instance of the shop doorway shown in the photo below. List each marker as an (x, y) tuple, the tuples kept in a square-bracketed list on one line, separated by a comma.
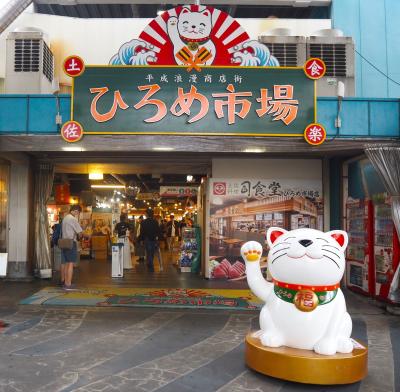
[(108, 192)]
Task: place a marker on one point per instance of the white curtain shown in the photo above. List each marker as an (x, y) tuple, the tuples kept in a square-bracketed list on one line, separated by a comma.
[(43, 185), (386, 161)]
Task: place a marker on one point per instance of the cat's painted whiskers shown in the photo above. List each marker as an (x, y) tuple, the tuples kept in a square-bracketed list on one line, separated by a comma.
[(277, 257)]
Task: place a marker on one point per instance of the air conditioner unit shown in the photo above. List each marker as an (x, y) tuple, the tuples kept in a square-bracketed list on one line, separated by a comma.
[(337, 52), (288, 49), (29, 63)]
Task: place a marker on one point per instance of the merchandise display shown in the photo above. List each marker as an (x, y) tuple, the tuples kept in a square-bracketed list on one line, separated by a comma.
[(189, 259), (386, 248), (360, 262)]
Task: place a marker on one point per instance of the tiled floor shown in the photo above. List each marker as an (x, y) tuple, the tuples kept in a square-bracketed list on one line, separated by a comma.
[(52, 349), (95, 272)]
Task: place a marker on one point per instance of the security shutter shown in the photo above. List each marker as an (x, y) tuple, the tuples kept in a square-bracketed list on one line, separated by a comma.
[(27, 55), (334, 56)]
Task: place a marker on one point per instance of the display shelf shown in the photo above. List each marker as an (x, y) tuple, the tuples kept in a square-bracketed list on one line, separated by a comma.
[(189, 258)]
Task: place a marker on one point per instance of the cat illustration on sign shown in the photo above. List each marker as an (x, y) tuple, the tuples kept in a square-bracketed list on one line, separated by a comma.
[(304, 306), (191, 30), (195, 36)]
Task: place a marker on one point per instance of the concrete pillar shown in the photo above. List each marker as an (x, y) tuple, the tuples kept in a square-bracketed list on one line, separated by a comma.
[(20, 199)]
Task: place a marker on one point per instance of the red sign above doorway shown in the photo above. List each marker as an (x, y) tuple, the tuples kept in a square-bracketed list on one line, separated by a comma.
[(315, 134), (315, 68), (73, 66), (72, 131)]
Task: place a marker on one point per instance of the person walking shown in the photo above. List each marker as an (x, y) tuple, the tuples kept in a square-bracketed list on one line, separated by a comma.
[(172, 232), (139, 247), (70, 230), (149, 234)]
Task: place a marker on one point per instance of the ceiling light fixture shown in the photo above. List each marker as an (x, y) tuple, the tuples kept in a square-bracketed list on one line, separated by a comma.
[(108, 186), (163, 148), (72, 148), (189, 178), (254, 150), (96, 176)]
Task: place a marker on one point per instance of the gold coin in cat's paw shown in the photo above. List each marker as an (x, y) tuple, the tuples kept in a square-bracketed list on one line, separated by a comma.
[(306, 300), (193, 46)]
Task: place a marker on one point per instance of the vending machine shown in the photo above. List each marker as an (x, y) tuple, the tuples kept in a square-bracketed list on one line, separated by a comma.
[(386, 250), (360, 269)]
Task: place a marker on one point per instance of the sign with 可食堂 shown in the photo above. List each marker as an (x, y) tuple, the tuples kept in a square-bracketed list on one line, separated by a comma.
[(259, 101)]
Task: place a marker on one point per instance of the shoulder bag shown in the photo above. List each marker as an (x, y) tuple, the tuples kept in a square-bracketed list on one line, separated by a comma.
[(65, 243)]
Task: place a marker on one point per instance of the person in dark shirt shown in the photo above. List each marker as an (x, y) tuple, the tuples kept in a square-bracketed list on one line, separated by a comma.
[(149, 234), (123, 226)]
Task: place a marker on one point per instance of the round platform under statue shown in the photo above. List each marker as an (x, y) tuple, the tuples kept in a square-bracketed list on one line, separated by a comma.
[(306, 366)]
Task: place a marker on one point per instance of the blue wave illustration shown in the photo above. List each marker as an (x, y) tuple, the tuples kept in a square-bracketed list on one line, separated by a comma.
[(129, 54)]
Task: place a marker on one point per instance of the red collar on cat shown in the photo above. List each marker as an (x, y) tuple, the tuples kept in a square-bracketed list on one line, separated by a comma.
[(292, 286), (187, 40)]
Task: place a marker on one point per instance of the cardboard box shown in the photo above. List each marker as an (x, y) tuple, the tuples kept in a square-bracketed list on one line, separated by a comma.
[(99, 242), (100, 255)]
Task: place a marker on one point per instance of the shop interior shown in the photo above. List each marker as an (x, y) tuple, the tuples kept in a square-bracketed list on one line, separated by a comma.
[(105, 191)]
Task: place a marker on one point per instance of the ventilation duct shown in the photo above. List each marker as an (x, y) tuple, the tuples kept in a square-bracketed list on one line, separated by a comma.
[(11, 11)]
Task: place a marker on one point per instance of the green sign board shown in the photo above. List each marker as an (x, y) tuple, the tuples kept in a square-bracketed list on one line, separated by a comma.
[(258, 101)]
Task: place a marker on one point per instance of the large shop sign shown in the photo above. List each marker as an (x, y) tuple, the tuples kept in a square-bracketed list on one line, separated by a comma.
[(194, 71)]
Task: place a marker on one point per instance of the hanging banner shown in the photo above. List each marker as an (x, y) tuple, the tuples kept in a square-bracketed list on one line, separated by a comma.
[(62, 194), (258, 101)]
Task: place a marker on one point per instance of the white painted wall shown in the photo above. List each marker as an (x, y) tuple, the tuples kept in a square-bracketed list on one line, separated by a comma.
[(97, 40), (310, 169)]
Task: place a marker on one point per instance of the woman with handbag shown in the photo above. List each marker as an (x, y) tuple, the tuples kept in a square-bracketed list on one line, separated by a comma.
[(71, 232)]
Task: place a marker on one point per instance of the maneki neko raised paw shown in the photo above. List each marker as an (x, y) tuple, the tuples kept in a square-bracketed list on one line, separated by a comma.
[(251, 251), (304, 306)]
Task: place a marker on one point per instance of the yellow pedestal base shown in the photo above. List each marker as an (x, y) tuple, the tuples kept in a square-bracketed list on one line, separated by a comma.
[(306, 366)]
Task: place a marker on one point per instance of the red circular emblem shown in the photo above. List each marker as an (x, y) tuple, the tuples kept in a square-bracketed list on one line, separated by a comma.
[(72, 131), (73, 66), (219, 188), (314, 68), (315, 134)]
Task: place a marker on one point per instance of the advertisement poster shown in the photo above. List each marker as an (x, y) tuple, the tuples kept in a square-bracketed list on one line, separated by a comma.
[(101, 223), (242, 210), (85, 220)]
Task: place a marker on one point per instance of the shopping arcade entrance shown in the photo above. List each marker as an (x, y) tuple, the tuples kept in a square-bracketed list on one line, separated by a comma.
[(138, 181)]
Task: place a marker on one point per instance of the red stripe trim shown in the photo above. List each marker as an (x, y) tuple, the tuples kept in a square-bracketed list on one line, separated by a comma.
[(149, 39), (292, 286)]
